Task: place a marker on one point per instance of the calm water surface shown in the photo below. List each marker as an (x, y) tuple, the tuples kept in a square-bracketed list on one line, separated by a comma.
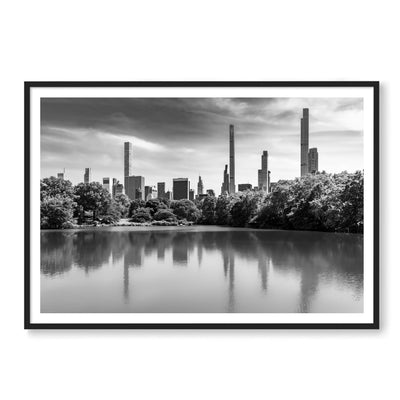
[(200, 269)]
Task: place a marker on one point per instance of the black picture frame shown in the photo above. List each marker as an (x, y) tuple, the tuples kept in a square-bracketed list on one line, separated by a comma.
[(28, 324)]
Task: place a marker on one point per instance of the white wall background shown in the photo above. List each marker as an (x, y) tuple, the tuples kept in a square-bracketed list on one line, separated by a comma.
[(208, 40)]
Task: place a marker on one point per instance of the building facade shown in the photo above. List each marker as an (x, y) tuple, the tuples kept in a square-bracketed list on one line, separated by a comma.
[(200, 187), (161, 190), (304, 134), (313, 160), (106, 184), (61, 175), (263, 173), (232, 187), (128, 165), (242, 187), (225, 182), (180, 188), (150, 192), (191, 194), (134, 187), (117, 187), (87, 176)]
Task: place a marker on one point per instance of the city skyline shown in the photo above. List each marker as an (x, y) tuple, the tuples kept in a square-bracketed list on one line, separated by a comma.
[(92, 130)]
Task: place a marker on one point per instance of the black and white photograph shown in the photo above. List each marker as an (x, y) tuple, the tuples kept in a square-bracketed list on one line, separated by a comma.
[(204, 205)]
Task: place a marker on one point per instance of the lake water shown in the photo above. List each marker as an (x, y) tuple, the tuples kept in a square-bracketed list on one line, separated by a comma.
[(200, 269)]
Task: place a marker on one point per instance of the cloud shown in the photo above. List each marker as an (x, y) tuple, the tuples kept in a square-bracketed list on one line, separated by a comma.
[(189, 136)]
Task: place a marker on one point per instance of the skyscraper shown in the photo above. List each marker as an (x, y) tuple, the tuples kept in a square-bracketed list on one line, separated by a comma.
[(225, 182), (313, 160), (263, 172), (231, 159), (60, 175), (200, 186), (150, 192), (106, 183), (87, 177), (161, 190), (117, 188), (134, 187), (242, 187), (180, 188), (304, 127), (191, 194), (128, 159)]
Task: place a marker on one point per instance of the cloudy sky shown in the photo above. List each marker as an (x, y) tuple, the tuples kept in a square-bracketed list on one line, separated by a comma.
[(187, 137)]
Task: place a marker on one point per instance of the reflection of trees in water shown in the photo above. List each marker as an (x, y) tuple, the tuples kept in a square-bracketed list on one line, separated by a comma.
[(312, 255), (55, 253)]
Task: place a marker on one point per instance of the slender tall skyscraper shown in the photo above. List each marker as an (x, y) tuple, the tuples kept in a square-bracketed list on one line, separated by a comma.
[(232, 188), (200, 186), (128, 165), (128, 159), (225, 182), (87, 177), (263, 172), (304, 126)]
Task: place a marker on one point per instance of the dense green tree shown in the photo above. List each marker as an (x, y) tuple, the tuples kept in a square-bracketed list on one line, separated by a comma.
[(154, 205), (222, 210), (112, 213), (165, 215), (207, 206), (135, 204), (244, 207), (56, 212), (141, 215), (51, 187), (185, 209), (92, 197), (122, 203)]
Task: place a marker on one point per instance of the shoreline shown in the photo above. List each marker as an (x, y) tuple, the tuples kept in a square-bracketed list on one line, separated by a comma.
[(134, 226)]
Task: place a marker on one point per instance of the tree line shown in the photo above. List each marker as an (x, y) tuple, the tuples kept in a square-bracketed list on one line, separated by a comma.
[(316, 202)]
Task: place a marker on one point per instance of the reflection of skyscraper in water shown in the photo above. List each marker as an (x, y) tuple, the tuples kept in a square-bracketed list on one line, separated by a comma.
[(231, 277), (264, 267), (133, 257), (180, 254), (308, 285), (199, 252)]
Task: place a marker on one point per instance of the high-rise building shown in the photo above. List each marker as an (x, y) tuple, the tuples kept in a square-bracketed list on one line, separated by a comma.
[(128, 159), (161, 190), (128, 163), (87, 177), (134, 187), (200, 186), (168, 195), (117, 188), (242, 187), (313, 160), (225, 182), (150, 192), (232, 187), (60, 175), (191, 194), (304, 133), (263, 172), (181, 188), (106, 184)]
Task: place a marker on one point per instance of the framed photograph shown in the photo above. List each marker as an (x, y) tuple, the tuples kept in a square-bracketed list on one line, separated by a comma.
[(218, 205)]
